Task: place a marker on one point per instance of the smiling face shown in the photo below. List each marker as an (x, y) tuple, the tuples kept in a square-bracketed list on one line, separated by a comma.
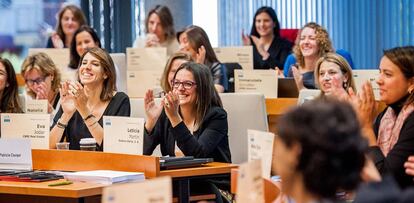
[(185, 45), (264, 24), (84, 41), (392, 83), (330, 77), (91, 71), (186, 93), (69, 23), (308, 43)]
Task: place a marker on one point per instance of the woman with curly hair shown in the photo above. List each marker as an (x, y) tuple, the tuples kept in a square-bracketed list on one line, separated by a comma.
[(319, 151)]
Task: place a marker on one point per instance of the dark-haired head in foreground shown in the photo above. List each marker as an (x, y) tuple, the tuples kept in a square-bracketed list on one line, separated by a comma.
[(319, 150)]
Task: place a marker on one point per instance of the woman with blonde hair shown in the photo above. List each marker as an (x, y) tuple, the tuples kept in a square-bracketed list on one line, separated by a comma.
[(42, 79), (173, 63)]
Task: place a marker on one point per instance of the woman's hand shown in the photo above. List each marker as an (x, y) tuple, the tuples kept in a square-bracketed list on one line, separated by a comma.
[(279, 72), (80, 98), (338, 91), (409, 166), (201, 55), (260, 46), (57, 42), (152, 40), (171, 105), (67, 100), (298, 78), (245, 39), (42, 93), (152, 110)]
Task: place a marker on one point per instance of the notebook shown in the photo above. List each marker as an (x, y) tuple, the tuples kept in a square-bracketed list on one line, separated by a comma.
[(105, 176), (286, 88), (182, 162)]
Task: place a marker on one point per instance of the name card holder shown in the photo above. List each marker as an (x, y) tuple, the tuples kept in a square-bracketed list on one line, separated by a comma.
[(260, 146), (256, 81), (242, 55), (15, 154)]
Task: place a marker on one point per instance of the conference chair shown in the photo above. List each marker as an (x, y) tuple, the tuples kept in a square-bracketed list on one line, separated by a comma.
[(120, 63)]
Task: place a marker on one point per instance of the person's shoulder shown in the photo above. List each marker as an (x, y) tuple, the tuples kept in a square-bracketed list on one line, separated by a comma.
[(216, 112), (120, 96)]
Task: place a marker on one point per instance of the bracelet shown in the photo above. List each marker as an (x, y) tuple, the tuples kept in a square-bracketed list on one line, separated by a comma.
[(61, 125), (88, 117)]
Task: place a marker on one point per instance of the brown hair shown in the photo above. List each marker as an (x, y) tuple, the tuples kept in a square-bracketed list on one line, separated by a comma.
[(108, 68), (322, 38), (166, 19), (43, 63), (10, 98), (343, 66), (403, 57), (77, 14), (207, 95), (197, 37), (165, 84)]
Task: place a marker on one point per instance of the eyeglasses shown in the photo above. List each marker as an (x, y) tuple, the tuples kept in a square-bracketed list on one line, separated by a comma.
[(35, 81), (186, 84)]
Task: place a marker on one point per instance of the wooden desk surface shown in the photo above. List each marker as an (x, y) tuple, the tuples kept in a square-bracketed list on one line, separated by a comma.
[(206, 169), (75, 190), (276, 107)]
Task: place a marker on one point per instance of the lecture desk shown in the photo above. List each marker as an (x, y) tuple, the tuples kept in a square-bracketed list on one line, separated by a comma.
[(73, 160)]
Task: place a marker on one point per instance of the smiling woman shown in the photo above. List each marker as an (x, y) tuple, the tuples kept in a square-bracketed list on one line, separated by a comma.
[(84, 103)]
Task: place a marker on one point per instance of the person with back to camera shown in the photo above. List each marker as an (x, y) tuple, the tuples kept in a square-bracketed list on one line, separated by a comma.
[(194, 41), (269, 49), (42, 80), (319, 151), (84, 103), (391, 138), (159, 30), (69, 19), (192, 118)]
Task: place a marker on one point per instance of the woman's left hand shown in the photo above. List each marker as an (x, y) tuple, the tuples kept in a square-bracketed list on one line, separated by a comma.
[(80, 98), (260, 47), (171, 105), (201, 55)]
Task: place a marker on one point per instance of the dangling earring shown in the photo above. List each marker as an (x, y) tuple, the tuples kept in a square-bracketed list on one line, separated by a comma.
[(344, 85), (411, 90)]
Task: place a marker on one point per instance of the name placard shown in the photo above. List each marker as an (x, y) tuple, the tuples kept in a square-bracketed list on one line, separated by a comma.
[(260, 146), (250, 186), (123, 135), (360, 76), (60, 57), (35, 127), (157, 190), (242, 55), (153, 58), (139, 81), (15, 154), (262, 81), (36, 106)]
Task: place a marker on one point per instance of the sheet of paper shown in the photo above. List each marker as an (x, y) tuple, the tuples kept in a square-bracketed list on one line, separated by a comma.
[(146, 58), (157, 190), (360, 76), (242, 55), (260, 146), (35, 106), (250, 186), (123, 135), (257, 81), (35, 127), (15, 154), (139, 81)]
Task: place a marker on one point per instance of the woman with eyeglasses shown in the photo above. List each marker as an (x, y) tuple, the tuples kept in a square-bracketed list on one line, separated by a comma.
[(191, 117), (42, 80)]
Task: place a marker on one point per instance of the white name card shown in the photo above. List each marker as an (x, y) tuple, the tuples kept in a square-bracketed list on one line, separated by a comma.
[(260, 146), (15, 154), (139, 81), (153, 58), (60, 57), (123, 135), (35, 106), (242, 55), (158, 190), (256, 81), (250, 186), (35, 127), (360, 76)]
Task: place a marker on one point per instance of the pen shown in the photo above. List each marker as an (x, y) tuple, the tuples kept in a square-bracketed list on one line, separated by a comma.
[(61, 183)]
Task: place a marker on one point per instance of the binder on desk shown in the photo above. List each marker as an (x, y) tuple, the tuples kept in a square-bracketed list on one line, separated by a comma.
[(182, 162)]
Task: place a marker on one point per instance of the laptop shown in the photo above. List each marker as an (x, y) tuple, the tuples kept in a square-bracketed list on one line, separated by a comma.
[(286, 88), (182, 162)]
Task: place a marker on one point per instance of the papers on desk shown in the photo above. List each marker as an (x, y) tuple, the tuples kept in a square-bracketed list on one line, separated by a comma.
[(104, 176), (256, 81), (35, 127), (155, 190), (260, 146)]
